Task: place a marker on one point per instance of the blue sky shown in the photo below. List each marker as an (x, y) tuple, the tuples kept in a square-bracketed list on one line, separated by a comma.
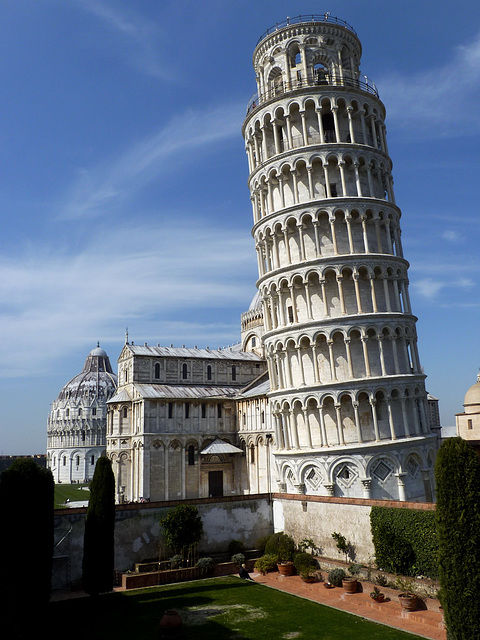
[(123, 180)]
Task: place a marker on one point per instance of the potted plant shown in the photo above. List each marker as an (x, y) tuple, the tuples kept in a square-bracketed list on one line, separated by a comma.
[(377, 595), (350, 583), (335, 577), (306, 566), (265, 563), (283, 546), (408, 598), (205, 565)]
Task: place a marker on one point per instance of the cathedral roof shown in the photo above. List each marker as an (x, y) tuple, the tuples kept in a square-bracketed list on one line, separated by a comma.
[(174, 391), (228, 353), (96, 380)]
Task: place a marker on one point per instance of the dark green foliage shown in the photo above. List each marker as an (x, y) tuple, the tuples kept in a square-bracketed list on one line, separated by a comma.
[(99, 539), (260, 544), (405, 541), (457, 473), (281, 545), (335, 577), (182, 528), (235, 546), (305, 563), (26, 494), (26, 541)]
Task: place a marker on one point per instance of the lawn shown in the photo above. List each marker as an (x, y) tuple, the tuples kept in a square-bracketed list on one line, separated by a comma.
[(221, 608), (74, 492)]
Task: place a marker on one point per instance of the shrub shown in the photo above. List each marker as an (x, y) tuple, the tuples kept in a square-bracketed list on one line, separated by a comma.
[(405, 541), (176, 562), (266, 563), (205, 565), (236, 546), (261, 542), (99, 537), (457, 474), (26, 538), (238, 558), (281, 545), (335, 577), (182, 528), (305, 563)]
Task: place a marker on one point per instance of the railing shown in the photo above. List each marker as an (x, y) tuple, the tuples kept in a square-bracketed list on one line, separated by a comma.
[(257, 99), (310, 17)]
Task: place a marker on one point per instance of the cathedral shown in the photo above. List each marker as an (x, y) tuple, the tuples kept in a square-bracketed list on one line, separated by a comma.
[(325, 394)]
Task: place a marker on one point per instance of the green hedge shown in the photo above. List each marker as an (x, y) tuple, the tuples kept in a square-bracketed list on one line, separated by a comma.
[(405, 541)]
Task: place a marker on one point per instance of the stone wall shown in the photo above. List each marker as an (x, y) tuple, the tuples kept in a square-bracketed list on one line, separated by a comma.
[(246, 518), (137, 532), (317, 517)]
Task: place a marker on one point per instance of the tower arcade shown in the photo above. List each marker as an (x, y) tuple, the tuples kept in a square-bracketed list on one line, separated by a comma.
[(347, 391)]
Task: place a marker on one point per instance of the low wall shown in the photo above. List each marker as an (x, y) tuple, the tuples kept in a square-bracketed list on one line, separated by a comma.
[(317, 517), (138, 531)]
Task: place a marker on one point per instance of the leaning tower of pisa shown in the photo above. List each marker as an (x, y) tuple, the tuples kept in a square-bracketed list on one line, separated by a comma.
[(346, 387)]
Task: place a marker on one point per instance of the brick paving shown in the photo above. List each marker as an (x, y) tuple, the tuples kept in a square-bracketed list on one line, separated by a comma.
[(427, 622)]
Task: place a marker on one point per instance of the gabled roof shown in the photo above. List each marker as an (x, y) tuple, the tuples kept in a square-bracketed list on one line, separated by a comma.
[(219, 446), (228, 353), (173, 392)]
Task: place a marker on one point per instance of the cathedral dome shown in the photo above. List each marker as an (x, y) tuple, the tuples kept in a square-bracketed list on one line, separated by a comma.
[(472, 397), (256, 302)]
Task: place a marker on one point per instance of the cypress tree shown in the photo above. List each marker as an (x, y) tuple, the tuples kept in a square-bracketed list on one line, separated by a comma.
[(457, 472), (99, 542), (26, 541)]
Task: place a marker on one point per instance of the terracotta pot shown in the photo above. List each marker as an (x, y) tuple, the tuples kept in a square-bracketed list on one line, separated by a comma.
[(350, 585), (408, 601), (379, 598), (170, 624), (285, 568)]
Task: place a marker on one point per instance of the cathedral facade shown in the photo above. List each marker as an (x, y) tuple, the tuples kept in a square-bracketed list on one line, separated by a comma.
[(325, 394)]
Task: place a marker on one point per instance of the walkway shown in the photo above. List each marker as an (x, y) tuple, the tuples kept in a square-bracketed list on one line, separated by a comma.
[(427, 623)]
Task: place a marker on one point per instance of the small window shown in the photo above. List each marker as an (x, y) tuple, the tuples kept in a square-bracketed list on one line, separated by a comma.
[(234, 372), (125, 412), (191, 455), (184, 371), (252, 454), (79, 411), (92, 460), (64, 461), (170, 409), (209, 372), (470, 424), (77, 460), (187, 410), (263, 417), (67, 412), (126, 376), (157, 371), (219, 410), (204, 410), (94, 411), (290, 314)]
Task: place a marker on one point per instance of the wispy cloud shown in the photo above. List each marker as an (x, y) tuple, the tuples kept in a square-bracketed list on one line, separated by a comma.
[(100, 189), (443, 98), (430, 288), (142, 36), (143, 278)]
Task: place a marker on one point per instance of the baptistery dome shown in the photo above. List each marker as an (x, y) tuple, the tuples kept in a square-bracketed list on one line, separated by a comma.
[(76, 428)]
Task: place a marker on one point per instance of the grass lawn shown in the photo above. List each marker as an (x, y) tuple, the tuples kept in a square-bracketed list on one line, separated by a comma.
[(221, 608), (74, 492)]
